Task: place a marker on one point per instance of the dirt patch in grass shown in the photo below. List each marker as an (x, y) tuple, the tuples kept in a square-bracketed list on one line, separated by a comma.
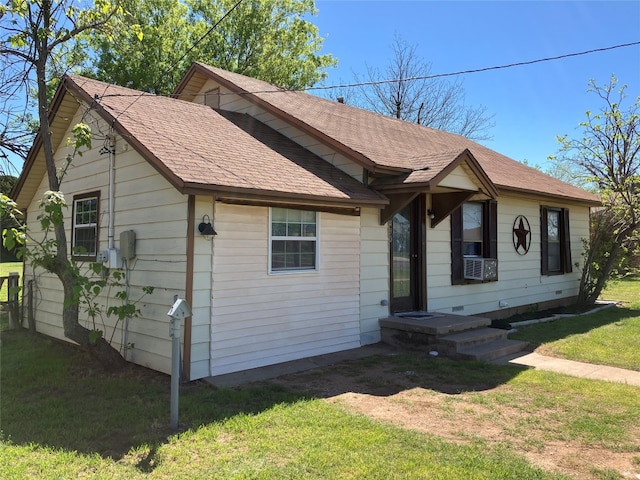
[(439, 403)]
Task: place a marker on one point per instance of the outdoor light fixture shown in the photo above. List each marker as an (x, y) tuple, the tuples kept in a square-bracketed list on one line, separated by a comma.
[(431, 214), (205, 228)]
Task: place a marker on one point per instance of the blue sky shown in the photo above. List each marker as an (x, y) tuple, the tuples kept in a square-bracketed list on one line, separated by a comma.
[(532, 104)]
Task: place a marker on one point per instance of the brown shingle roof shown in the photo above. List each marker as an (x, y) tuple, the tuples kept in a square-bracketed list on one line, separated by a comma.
[(379, 142), (198, 149)]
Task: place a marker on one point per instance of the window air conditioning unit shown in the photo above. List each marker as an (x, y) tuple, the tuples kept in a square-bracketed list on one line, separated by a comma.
[(481, 268)]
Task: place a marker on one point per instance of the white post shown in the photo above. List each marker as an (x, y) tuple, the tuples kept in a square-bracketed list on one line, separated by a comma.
[(175, 325), (178, 311)]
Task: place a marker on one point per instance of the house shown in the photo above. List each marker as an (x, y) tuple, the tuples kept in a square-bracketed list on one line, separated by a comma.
[(327, 218)]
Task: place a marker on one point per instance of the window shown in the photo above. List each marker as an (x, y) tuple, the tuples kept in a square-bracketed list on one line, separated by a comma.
[(85, 226), (556, 246), (212, 98), (472, 229), (474, 234), (293, 240)]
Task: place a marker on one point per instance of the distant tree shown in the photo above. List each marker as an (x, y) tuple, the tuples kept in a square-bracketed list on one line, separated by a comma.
[(6, 183), (267, 39), (17, 128), (6, 221), (607, 157), (405, 91)]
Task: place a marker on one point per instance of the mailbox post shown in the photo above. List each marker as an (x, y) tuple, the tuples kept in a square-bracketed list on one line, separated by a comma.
[(178, 312)]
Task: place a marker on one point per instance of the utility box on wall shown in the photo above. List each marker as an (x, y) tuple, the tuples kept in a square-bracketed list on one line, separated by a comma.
[(128, 245)]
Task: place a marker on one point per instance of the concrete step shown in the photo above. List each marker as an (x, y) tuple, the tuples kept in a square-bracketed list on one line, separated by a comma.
[(468, 338), (492, 350), (436, 324)]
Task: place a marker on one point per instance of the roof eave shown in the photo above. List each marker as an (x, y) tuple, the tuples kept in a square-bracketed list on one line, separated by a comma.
[(273, 197), (551, 196)]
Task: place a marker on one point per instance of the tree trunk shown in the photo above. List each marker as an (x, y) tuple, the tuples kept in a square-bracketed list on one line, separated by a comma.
[(593, 281), (101, 349)]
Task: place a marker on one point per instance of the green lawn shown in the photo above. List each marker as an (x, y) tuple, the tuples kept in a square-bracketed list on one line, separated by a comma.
[(608, 337), (5, 269), (625, 290), (62, 416)]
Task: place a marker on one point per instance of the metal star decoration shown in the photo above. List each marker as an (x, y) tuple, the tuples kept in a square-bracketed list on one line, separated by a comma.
[(521, 235)]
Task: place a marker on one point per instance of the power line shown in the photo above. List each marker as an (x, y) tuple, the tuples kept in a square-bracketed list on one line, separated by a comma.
[(207, 33), (423, 77), (172, 66), (465, 72)]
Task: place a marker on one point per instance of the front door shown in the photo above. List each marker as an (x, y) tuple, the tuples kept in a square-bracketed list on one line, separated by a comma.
[(406, 258)]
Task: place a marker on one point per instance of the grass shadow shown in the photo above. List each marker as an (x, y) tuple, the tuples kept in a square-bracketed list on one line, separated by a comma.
[(396, 371), (55, 395)]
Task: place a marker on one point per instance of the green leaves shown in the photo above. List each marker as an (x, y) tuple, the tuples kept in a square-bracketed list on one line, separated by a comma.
[(13, 238), (81, 136), (94, 336), (52, 203), (158, 39)]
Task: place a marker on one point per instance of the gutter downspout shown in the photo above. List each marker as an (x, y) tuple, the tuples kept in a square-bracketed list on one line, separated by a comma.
[(112, 160), (110, 147)]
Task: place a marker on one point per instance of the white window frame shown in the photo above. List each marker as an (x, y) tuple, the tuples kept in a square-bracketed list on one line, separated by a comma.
[(301, 238), (94, 225)]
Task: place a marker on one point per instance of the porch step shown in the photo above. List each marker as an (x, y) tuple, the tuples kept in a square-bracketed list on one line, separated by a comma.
[(455, 336), (434, 324), (462, 340), (492, 350)]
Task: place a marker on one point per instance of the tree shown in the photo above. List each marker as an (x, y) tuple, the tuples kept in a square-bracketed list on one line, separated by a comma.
[(39, 33), (608, 158), (6, 184), (266, 39), (17, 129), (405, 91)]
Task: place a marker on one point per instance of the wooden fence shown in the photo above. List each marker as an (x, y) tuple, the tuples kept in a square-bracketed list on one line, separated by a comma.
[(12, 300)]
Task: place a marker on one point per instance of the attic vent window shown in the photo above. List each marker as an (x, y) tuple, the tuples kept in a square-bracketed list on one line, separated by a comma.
[(212, 98)]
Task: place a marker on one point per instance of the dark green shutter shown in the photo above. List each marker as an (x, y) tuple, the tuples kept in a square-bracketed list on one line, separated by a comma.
[(490, 231), (566, 241), (457, 269), (544, 238)]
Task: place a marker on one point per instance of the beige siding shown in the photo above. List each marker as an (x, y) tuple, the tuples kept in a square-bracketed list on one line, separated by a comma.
[(374, 275), (202, 285), (520, 282), (157, 213), (460, 178), (261, 318)]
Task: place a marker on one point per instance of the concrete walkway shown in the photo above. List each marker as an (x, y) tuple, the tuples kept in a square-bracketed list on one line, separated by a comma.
[(570, 367)]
